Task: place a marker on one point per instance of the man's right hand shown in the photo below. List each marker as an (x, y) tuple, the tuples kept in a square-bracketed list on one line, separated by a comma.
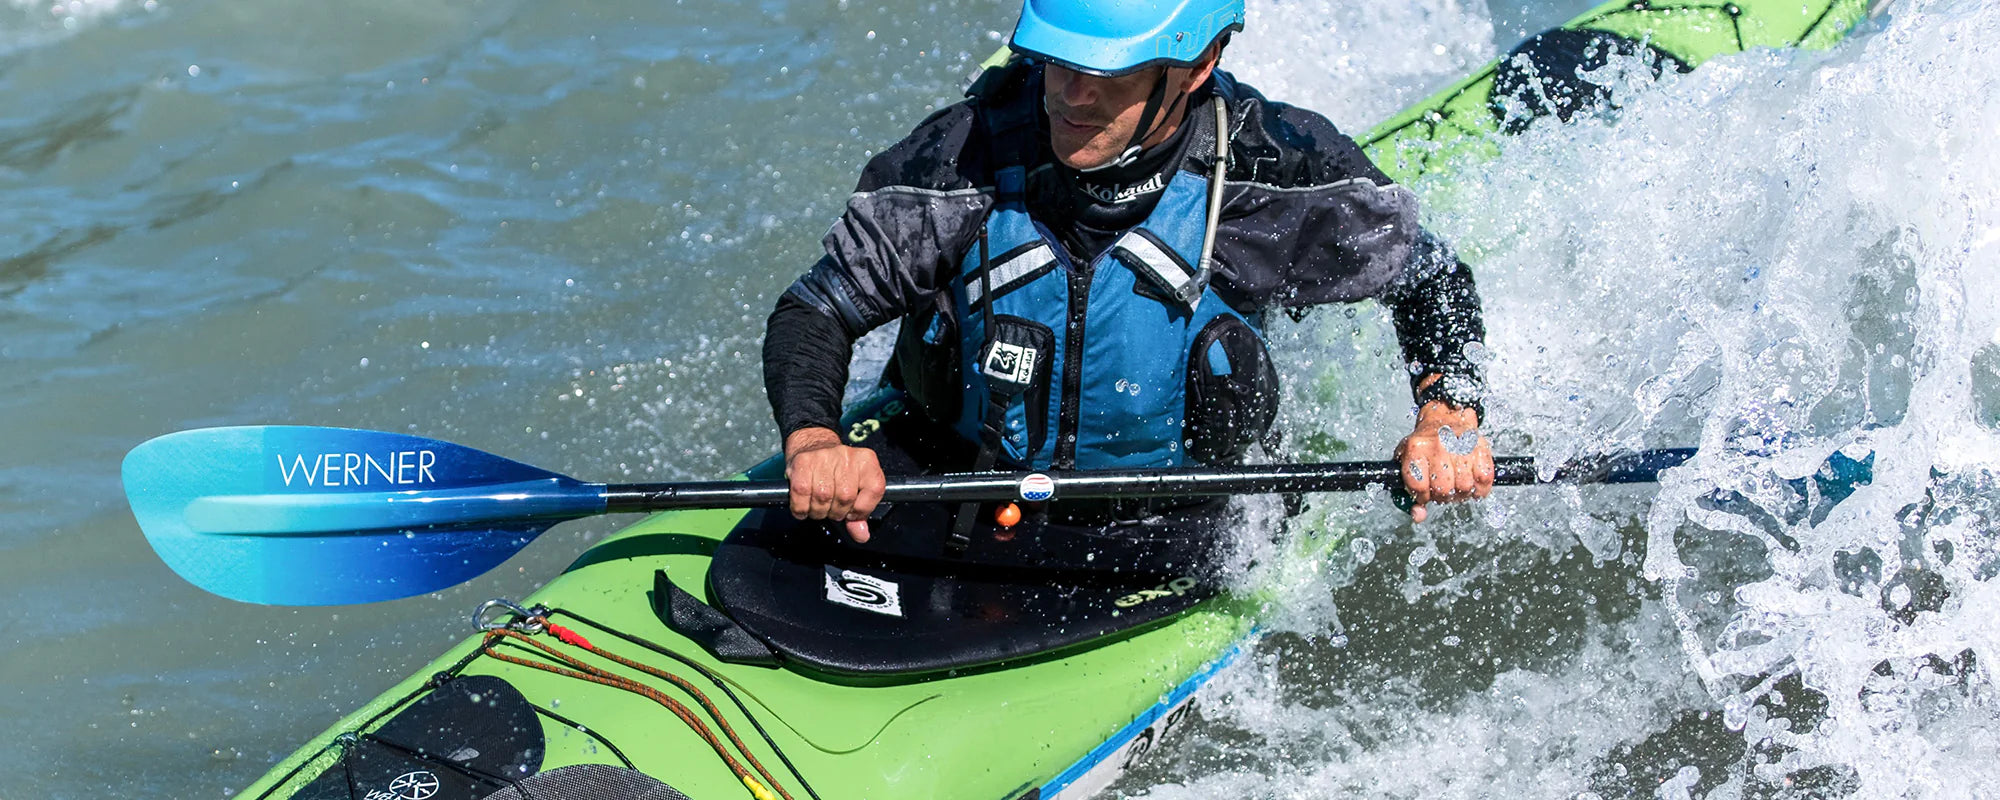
[(831, 480)]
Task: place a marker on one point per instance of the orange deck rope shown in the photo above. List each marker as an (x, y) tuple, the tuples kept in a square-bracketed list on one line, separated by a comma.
[(686, 686), (573, 667)]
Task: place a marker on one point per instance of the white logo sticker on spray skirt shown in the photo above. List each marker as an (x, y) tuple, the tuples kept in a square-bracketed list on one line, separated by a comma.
[(418, 785), (863, 592)]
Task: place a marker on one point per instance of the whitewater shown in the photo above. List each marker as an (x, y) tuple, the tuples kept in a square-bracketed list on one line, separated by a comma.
[(553, 233)]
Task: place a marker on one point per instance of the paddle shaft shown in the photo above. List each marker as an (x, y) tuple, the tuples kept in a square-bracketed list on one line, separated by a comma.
[(303, 515), (1131, 483)]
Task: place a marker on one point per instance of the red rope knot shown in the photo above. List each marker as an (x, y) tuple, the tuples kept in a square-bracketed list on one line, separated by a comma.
[(569, 637)]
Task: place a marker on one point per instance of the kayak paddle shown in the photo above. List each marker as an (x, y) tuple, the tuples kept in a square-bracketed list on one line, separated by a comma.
[(293, 515)]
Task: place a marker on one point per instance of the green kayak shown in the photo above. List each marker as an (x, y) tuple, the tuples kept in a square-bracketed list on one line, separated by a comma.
[(719, 654)]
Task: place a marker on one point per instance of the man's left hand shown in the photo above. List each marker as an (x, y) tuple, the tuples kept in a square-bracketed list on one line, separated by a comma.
[(1445, 460)]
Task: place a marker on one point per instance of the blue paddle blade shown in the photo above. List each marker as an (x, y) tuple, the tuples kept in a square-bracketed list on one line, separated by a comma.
[(323, 516)]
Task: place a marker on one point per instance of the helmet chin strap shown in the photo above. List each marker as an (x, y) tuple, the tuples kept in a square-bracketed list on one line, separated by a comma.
[(1147, 118)]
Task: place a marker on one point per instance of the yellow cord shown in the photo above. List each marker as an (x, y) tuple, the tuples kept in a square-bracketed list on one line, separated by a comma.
[(757, 790)]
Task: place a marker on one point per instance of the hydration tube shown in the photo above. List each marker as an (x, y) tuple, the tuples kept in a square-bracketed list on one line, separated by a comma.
[(1215, 185)]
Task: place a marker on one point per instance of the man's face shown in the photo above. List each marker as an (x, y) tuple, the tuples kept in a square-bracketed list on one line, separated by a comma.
[(1092, 119)]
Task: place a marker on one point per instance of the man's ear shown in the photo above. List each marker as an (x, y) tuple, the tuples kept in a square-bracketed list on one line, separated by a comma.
[(1198, 74)]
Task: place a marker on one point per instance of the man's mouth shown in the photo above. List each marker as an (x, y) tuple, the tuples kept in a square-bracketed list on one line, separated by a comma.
[(1063, 122)]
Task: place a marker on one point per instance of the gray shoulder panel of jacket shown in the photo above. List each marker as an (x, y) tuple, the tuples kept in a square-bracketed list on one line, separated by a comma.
[(896, 246), (1335, 242)]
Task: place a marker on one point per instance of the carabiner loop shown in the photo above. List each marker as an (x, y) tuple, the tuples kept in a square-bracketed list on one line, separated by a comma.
[(525, 620)]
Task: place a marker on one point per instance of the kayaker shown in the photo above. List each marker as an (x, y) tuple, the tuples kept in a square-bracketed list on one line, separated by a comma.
[(1084, 168)]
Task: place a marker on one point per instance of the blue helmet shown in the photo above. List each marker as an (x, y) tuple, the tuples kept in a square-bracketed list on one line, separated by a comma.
[(1115, 37)]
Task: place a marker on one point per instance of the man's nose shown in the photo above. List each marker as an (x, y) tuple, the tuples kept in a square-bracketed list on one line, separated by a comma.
[(1074, 88)]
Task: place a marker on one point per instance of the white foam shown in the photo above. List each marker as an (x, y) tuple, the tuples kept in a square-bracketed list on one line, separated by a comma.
[(1777, 257)]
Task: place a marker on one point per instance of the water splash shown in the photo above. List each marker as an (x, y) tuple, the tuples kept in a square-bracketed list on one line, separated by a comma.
[(1315, 54), (1789, 260)]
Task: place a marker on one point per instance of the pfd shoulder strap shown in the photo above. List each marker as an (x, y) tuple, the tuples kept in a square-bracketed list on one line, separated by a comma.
[(1006, 106)]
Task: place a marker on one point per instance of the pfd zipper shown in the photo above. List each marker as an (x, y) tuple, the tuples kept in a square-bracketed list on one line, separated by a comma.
[(1077, 305)]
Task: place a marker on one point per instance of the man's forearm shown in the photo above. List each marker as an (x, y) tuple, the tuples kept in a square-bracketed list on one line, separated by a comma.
[(805, 366), (1438, 317)]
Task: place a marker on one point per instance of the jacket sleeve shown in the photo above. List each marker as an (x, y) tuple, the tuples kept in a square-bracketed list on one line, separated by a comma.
[(1438, 319), (897, 243), (806, 352)]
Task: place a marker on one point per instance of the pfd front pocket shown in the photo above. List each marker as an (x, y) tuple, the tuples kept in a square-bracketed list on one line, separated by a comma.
[(1015, 369), (925, 364), (1232, 391)]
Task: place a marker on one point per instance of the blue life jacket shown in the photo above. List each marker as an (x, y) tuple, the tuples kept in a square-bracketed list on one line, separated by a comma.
[(1110, 340), (1090, 366)]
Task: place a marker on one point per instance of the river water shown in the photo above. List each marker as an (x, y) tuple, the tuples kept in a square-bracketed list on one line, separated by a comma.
[(552, 231)]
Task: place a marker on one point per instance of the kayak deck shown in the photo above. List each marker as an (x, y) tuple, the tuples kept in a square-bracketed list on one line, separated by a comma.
[(989, 733)]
